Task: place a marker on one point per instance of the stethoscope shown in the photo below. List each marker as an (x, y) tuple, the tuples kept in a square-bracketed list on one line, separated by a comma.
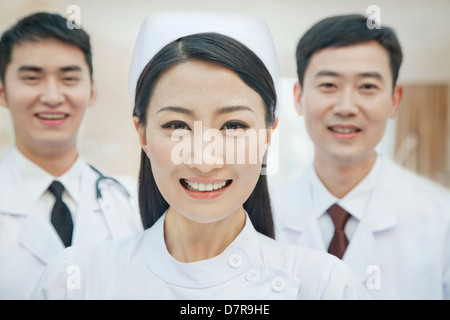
[(122, 189)]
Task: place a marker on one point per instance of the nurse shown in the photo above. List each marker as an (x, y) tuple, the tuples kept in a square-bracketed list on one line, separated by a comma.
[(208, 221), (47, 191), (391, 227)]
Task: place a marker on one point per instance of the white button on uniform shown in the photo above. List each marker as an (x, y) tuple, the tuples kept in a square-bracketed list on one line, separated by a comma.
[(278, 284), (235, 260), (252, 275)]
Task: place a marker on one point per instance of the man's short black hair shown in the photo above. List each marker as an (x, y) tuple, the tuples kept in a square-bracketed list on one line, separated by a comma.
[(342, 31), (42, 25)]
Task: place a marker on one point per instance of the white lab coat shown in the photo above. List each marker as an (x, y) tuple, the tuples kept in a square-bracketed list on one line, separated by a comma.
[(28, 243), (400, 248), (253, 266)]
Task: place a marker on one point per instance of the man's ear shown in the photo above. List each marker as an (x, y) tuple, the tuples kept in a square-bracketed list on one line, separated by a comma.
[(93, 94), (298, 98), (2, 95), (396, 98), (141, 133)]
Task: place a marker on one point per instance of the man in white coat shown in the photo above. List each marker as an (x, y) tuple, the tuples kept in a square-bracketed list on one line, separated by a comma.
[(48, 198), (395, 231)]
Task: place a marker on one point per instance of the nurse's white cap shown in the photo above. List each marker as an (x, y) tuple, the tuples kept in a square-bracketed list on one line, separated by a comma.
[(159, 29)]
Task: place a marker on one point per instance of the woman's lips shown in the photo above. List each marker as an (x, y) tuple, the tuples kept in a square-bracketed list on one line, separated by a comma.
[(205, 189)]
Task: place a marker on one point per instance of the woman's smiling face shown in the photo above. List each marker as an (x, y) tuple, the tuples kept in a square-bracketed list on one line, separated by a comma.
[(200, 121)]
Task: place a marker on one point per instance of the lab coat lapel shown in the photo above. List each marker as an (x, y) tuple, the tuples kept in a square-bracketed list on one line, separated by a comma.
[(88, 207), (35, 235), (91, 219), (39, 238), (362, 251), (363, 254), (300, 216), (309, 232)]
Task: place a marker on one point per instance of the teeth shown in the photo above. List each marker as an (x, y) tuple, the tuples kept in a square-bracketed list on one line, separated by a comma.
[(205, 186), (51, 116), (344, 130)]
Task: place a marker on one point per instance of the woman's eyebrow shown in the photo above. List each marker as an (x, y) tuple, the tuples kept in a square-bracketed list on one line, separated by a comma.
[(233, 109), (177, 109), (221, 111)]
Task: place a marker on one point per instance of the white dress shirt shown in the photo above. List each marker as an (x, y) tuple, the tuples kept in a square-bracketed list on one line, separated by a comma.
[(37, 181), (253, 266), (355, 202)]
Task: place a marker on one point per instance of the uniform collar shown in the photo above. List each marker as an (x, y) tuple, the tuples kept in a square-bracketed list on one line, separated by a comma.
[(37, 180), (355, 202), (233, 261), (72, 179), (322, 199)]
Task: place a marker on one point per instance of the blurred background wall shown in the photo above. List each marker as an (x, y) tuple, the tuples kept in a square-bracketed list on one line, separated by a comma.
[(418, 138)]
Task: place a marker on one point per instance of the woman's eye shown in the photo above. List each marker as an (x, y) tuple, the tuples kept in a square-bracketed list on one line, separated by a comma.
[(234, 125), (175, 125)]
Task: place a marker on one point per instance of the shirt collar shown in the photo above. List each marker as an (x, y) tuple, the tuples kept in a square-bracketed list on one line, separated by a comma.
[(234, 260), (38, 180), (354, 202), (72, 180), (321, 197)]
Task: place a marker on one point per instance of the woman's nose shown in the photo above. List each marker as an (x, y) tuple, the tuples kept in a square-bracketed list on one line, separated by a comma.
[(207, 149)]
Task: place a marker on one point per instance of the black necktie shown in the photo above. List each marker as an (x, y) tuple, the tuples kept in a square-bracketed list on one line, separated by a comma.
[(339, 243), (61, 218)]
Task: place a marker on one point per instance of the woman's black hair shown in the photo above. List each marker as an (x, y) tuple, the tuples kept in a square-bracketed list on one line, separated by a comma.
[(233, 55)]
